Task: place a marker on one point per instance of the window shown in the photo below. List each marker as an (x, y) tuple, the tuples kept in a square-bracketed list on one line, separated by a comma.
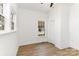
[(7, 18), (41, 28)]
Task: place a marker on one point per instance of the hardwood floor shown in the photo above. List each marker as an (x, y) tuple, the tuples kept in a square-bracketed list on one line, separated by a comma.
[(45, 49)]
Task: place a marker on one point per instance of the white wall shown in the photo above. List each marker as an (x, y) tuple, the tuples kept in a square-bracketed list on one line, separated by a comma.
[(65, 25), (8, 44), (28, 31), (54, 25), (58, 25), (74, 26)]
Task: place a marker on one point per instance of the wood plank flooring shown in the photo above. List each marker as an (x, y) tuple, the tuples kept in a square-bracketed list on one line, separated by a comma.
[(45, 49)]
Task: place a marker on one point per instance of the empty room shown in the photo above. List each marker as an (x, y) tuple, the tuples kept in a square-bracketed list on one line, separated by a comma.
[(39, 29)]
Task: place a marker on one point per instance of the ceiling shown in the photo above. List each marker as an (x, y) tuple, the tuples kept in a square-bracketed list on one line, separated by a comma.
[(45, 7)]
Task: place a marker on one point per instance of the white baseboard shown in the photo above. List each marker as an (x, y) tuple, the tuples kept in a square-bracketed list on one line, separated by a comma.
[(32, 41)]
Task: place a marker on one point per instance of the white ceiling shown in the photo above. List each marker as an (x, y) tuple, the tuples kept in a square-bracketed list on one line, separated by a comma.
[(45, 7)]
